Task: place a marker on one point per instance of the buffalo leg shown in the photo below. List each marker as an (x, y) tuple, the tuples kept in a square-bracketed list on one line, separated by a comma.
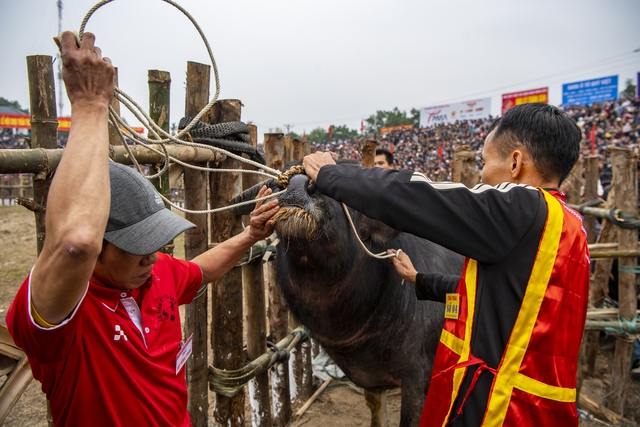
[(377, 403)]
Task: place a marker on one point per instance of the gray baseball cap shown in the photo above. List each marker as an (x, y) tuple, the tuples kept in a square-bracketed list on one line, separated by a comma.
[(138, 221)]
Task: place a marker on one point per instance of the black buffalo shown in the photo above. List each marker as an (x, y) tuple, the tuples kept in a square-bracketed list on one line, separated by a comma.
[(355, 305)]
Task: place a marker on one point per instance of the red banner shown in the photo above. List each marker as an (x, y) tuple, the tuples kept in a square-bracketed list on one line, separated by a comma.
[(510, 100), (392, 128), (17, 121)]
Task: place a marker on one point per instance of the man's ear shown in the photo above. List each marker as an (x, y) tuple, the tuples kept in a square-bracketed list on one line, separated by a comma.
[(517, 158)]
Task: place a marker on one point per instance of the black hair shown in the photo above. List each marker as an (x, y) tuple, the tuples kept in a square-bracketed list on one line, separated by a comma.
[(386, 153), (550, 136)]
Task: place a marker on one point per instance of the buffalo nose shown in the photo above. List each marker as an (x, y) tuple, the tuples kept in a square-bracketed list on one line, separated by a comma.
[(298, 183)]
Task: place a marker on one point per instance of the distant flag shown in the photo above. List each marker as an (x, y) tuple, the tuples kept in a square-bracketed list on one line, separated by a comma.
[(304, 135), (330, 131), (361, 126), (593, 139)]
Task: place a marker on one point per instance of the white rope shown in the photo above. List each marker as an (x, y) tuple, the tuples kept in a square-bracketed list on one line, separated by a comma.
[(381, 255), (161, 137)]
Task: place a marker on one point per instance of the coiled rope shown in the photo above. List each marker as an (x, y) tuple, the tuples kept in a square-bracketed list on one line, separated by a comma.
[(162, 137)]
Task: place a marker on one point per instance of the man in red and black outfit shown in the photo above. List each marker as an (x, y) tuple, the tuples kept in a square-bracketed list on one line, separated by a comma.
[(514, 318)]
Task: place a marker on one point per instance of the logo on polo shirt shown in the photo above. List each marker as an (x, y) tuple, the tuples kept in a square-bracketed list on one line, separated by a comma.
[(119, 334), (167, 308)]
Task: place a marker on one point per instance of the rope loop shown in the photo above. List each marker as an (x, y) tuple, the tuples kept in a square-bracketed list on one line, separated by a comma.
[(285, 177)]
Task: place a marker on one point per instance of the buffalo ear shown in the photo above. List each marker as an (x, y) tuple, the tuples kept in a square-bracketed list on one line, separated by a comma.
[(375, 231)]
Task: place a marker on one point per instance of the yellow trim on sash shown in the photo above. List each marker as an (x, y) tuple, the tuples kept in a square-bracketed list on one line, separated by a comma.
[(523, 328), (470, 280), (452, 342), (540, 389)]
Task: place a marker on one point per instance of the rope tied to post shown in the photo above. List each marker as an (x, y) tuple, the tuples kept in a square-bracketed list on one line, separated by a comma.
[(625, 327)]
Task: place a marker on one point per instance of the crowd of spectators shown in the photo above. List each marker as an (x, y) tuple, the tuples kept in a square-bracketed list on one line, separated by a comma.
[(430, 149)]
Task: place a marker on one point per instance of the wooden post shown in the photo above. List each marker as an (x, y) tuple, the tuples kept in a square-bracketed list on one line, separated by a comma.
[(114, 136), (462, 166), (256, 321), (44, 130), (591, 340), (572, 186), (159, 101), (288, 150), (195, 243), (624, 164), (369, 153), (277, 309), (300, 149), (591, 176), (226, 323)]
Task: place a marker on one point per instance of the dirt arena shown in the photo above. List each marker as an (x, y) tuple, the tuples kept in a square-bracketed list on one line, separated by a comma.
[(340, 405)]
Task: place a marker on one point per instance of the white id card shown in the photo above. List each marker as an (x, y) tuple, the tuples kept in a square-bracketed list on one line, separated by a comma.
[(184, 353)]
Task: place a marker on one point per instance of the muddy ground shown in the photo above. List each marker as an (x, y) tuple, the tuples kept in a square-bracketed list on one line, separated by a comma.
[(340, 405)]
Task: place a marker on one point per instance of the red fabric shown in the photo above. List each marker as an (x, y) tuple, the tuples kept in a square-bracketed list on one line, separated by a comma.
[(593, 139), (304, 135), (330, 131), (552, 354), (440, 154), (93, 378), (361, 126)]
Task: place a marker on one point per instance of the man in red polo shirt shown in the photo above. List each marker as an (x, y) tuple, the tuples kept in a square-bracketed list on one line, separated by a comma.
[(98, 314)]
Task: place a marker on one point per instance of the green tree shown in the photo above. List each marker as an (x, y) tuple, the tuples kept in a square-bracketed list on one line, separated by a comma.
[(630, 91), (13, 104), (394, 117), (343, 132), (318, 135), (415, 117)]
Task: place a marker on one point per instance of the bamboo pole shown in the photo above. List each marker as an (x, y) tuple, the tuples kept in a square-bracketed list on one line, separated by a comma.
[(277, 309), (256, 321), (625, 182), (195, 242), (462, 166), (44, 129), (159, 101), (226, 335), (46, 160)]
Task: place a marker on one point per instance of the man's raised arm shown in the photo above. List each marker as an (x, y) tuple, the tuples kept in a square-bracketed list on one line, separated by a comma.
[(79, 198)]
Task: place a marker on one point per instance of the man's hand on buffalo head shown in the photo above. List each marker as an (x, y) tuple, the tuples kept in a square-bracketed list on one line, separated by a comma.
[(314, 162), (261, 222)]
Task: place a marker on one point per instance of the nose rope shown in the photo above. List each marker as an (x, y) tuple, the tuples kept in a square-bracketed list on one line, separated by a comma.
[(381, 255)]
